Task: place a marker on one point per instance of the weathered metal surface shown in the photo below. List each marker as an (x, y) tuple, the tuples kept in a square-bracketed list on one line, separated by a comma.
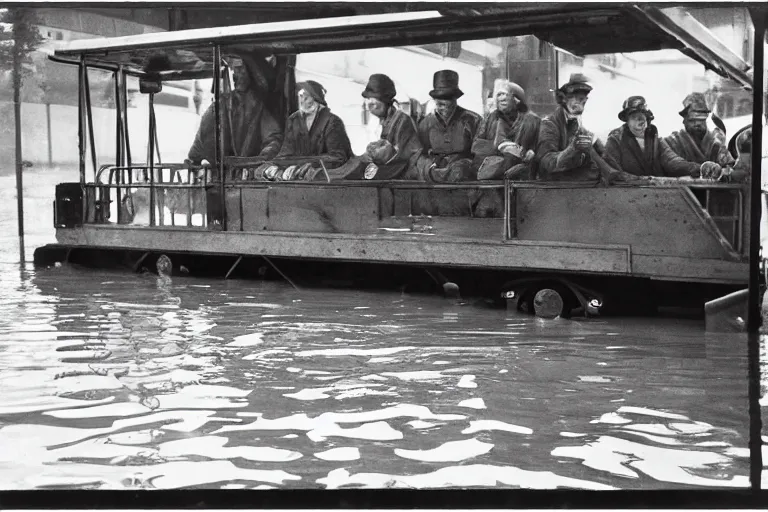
[(254, 208), (653, 220), (416, 248), (234, 209), (456, 227), (688, 269), (323, 209)]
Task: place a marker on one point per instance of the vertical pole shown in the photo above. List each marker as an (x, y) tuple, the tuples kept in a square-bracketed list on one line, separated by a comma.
[(124, 91), (89, 117), (81, 134), (151, 160), (17, 122), (755, 214), (48, 128), (118, 144), (219, 146)]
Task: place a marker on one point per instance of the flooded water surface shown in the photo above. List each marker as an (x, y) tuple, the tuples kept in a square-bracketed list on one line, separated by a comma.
[(116, 380)]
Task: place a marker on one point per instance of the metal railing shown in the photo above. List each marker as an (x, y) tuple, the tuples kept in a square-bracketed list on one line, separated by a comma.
[(161, 186)]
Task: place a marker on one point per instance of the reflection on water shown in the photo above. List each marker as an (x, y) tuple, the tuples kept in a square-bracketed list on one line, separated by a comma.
[(116, 380)]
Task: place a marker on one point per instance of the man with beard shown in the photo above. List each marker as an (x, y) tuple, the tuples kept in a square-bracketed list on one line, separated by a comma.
[(313, 130), (695, 143), (447, 133), (506, 138), (249, 129)]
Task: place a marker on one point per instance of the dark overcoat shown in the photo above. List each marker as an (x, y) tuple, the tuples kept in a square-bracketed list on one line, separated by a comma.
[(657, 159), (327, 138)]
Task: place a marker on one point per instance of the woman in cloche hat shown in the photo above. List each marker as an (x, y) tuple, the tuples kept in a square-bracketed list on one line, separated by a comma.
[(635, 146), (394, 155)]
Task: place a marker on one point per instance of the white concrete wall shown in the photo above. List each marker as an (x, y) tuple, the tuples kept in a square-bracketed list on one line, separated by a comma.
[(176, 129)]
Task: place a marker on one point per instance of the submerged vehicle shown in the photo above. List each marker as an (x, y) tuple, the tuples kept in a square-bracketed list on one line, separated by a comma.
[(664, 241)]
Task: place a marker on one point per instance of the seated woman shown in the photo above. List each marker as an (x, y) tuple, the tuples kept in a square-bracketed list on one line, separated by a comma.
[(507, 134), (314, 131), (635, 147), (396, 153)]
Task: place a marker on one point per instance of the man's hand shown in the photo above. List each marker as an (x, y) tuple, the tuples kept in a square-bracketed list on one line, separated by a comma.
[(582, 143), (710, 170), (529, 156)]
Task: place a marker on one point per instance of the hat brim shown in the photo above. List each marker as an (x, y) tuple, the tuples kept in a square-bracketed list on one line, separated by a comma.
[(446, 94), (624, 114), (695, 114), (572, 88), (368, 93)]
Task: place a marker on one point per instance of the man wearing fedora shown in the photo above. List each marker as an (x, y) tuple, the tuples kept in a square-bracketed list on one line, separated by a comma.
[(697, 144), (635, 147), (506, 138), (314, 130), (564, 145), (447, 133)]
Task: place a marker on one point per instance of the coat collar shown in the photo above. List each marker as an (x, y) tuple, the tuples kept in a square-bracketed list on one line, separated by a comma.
[(644, 156)]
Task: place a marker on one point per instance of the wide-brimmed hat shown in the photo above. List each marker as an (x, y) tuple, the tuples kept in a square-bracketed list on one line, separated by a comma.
[(577, 82), (445, 85), (380, 87), (695, 106), (635, 104), (314, 89)]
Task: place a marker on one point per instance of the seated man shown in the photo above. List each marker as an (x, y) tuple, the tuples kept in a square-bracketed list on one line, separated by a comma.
[(694, 142), (447, 133), (249, 129), (313, 130), (506, 137), (395, 154), (635, 147), (566, 150)]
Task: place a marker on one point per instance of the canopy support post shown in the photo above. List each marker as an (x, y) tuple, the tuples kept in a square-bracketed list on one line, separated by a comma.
[(755, 214), (219, 146)]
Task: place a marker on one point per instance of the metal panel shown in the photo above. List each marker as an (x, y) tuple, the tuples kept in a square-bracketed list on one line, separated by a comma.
[(653, 220), (323, 209), (255, 209), (234, 209), (417, 249)]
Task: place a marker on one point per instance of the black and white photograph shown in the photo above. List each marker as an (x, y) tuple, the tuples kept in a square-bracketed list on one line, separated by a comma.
[(381, 245)]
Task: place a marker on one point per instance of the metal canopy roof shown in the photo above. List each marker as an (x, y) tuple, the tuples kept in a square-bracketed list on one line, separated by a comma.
[(579, 29)]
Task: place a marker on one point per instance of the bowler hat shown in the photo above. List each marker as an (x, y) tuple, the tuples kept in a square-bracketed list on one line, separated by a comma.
[(445, 85), (635, 104), (695, 106), (380, 87), (314, 89), (577, 82)]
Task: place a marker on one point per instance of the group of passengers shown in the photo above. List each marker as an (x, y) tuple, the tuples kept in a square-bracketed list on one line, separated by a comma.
[(453, 144)]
